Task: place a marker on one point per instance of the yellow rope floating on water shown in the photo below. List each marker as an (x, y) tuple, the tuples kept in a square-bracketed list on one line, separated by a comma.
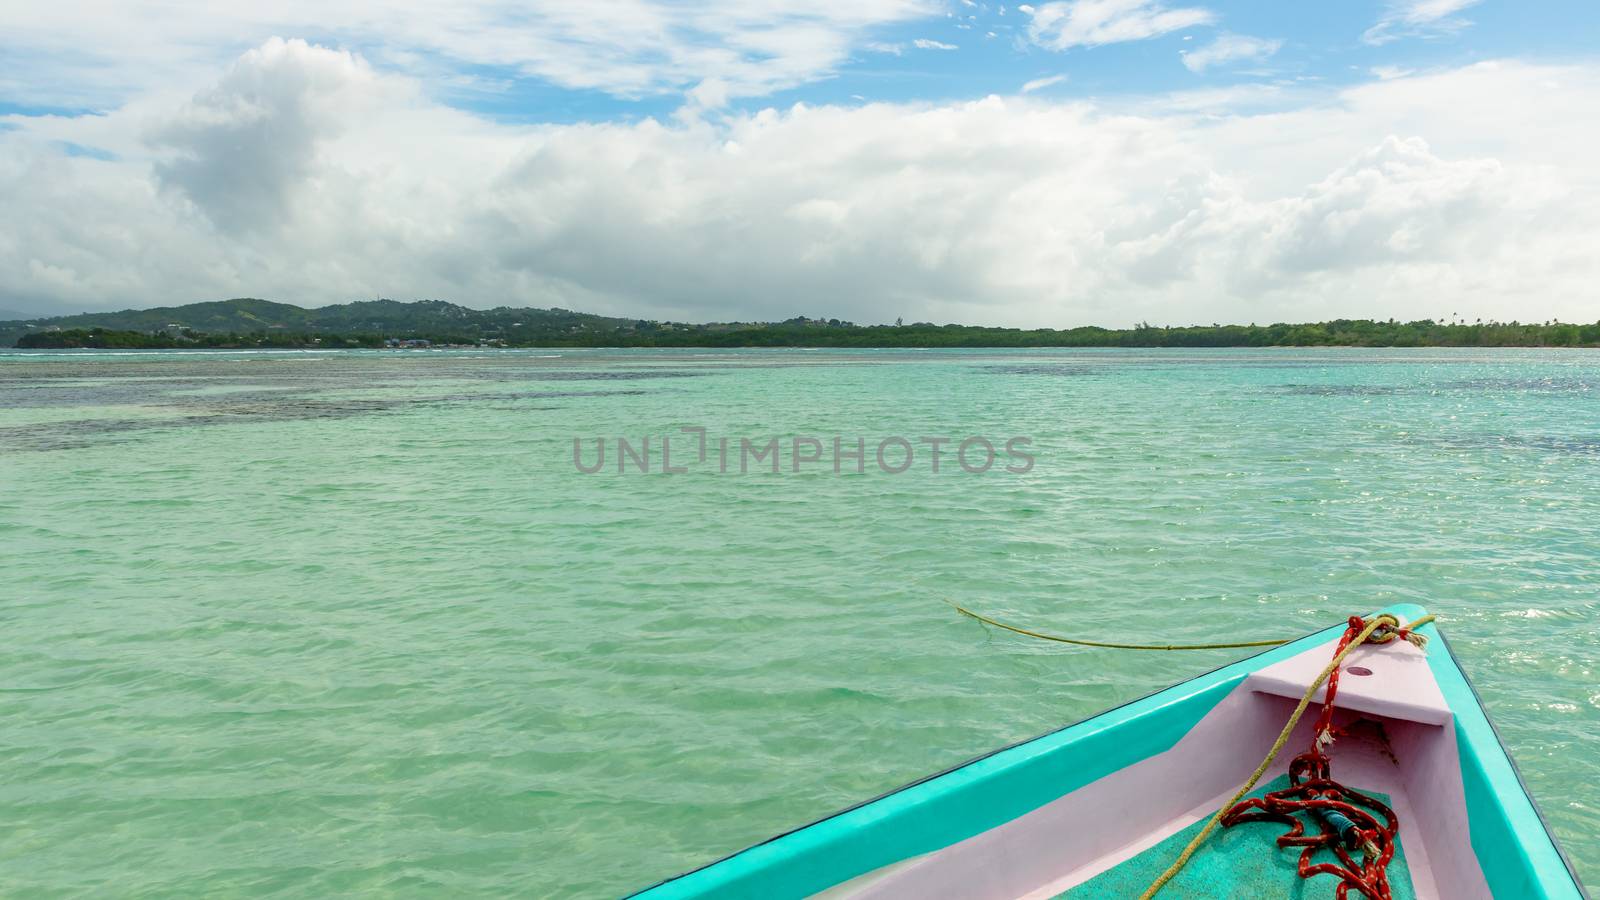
[(1379, 621), (1110, 645)]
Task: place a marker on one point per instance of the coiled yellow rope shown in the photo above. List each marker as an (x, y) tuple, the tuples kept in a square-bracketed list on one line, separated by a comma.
[(1382, 620)]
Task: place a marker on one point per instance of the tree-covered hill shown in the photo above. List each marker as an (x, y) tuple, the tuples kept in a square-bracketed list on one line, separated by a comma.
[(386, 318), (369, 323)]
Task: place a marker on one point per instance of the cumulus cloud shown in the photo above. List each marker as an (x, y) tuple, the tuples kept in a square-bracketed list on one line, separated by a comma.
[(1090, 23), (1418, 18), (237, 150), (1394, 207), (1378, 200), (1229, 48)]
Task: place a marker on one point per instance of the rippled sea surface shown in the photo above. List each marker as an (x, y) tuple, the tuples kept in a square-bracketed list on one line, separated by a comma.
[(290, 624)]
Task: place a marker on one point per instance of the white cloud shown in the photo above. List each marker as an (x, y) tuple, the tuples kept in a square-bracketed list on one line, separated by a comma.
[(1039, 84), (1091, 23), (1380, 200), (926, 44), (1228, 48), (1418, 18), (711, 93), (239, 149), (101, 53)]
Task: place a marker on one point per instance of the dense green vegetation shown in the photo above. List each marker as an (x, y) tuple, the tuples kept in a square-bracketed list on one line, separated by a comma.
[(377, 318), (259, 323), (110, 339), (1357, 333)]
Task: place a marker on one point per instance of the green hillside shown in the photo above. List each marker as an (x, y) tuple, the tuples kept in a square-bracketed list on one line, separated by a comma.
[(382, 318), (368, 323)]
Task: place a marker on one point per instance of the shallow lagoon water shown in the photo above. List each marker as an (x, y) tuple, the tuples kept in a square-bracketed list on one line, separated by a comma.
[(292, 623)]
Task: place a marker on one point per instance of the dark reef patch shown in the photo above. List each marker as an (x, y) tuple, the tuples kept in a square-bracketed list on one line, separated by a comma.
[(1056, 371), (235, 409), (1334, 390), (1524, 385), (1561, 444)]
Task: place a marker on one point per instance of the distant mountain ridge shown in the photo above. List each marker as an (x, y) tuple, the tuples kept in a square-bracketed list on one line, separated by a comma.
[(392, 318)]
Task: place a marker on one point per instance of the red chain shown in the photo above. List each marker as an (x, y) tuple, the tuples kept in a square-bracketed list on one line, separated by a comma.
[(1312, 790)]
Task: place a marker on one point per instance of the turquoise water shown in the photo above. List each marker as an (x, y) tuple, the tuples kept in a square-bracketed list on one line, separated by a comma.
[(299, 623)]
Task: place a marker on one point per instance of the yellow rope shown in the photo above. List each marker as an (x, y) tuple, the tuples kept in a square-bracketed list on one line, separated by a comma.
[(1376, 622), (1082, 643)]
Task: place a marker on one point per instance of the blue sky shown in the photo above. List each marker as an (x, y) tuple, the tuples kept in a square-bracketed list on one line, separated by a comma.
[(890, 51), (1064, 162), (1325, 44)]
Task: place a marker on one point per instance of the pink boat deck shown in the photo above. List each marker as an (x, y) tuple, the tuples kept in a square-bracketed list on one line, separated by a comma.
[(1399, 743)]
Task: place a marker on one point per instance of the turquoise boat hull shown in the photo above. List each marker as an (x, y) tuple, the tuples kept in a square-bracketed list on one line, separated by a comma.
[(1090, 809)]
